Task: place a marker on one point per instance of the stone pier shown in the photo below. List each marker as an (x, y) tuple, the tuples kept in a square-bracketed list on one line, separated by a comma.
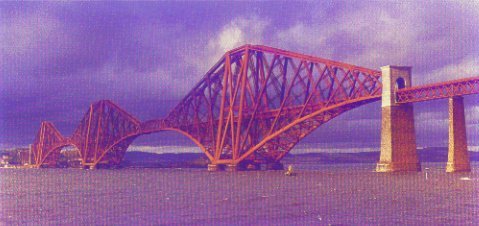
[(398, 137), (458, 157), (233, 167), (214, 167), (90, 167)]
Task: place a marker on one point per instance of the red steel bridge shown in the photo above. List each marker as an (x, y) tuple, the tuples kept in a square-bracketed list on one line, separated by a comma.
[(252, 107)]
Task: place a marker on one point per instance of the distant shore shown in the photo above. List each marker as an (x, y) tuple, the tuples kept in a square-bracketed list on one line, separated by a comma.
[(199, 160), (138, 159)]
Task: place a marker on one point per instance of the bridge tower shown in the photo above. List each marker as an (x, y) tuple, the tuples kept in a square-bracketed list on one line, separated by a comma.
[(458, 157), (398, 138)]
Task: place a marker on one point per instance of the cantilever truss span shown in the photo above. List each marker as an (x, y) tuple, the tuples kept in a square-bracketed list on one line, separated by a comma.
[(47, 145), (253, 106), (257, 102)]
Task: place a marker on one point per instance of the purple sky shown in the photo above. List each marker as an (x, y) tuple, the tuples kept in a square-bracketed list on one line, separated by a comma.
[(57, 58)]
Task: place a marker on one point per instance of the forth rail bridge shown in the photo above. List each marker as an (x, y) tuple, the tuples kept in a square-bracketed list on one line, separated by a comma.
[(258, 102)]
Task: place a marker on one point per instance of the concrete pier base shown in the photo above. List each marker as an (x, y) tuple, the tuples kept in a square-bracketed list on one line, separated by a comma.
[(232, 167), (458, 157), (398, 140), (213, 167), (455, 167), (398, 137), (398, 167), (252, 166)]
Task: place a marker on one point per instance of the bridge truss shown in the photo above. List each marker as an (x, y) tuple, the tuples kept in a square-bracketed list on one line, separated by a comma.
[(458, 87), (253, 106)]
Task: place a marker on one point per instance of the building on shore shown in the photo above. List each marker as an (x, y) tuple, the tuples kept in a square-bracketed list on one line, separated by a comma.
[(14, 157)]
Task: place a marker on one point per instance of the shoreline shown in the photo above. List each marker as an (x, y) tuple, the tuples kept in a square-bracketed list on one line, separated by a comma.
[(139, 159)]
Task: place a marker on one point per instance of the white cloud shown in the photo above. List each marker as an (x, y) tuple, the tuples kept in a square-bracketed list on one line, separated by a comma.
[(239, 31), (467, 67), (360, 37), (425, 36), (304, 38)]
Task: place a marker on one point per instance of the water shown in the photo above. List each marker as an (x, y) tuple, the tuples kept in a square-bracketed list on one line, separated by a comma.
[(347, 194)]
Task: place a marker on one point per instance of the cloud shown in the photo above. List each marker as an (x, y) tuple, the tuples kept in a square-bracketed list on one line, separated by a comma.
[(356, 36), (467, 67), (431, 123), (304, 38), (426, 36), (239, 31)]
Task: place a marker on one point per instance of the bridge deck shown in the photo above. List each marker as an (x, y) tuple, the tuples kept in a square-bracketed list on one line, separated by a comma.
[(460, 87)]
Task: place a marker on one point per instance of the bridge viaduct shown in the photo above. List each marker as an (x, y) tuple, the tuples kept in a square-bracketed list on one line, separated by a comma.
[(256, 103)]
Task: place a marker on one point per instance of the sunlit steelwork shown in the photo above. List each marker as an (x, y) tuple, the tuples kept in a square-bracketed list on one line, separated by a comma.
[(45, 150), (105, 133), (460, 87), (257, 102)]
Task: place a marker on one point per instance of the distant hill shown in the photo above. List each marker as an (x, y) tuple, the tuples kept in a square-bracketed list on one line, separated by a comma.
[(434, 154), (199, 160), (168, 160)]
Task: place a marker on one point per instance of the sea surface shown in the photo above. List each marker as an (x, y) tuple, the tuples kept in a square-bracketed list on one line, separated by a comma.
[(319, 194)]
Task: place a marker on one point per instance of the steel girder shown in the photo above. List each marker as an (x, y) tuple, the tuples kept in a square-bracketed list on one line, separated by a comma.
[(105, 133), (103, 136), (47, 145), (254, 105), (257, 102), (447, 89)]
